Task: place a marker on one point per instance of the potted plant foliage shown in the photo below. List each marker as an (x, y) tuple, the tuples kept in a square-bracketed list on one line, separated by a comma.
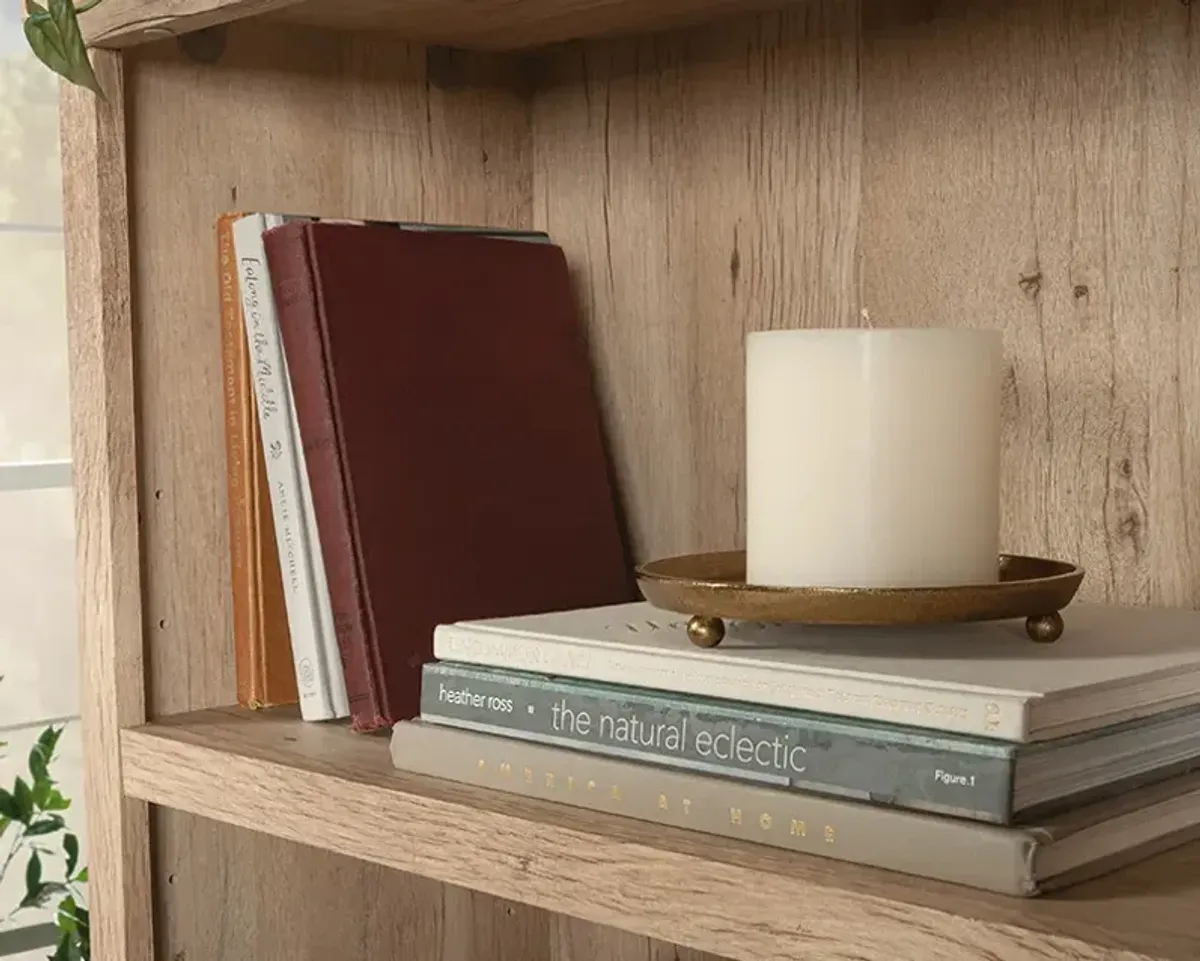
[(34, 839), (53, 33)]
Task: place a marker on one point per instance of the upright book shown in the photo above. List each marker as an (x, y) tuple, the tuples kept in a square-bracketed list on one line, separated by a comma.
[(1112, 664), (452, 439), (262, 645), (318, 669)]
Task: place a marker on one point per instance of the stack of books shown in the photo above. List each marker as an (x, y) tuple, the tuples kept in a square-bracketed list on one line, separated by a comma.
[(963, 753)]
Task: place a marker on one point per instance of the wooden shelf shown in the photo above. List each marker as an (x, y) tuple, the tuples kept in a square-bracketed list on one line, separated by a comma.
[(472, 24), (323, 786)]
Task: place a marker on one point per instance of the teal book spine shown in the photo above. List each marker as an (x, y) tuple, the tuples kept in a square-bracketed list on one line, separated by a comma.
[(885, 764)]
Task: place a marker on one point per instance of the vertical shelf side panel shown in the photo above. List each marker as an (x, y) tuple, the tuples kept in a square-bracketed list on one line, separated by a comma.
[(104, 451)]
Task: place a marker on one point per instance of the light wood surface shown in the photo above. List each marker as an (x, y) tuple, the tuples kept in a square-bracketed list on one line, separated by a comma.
[(703, 184), (327, 787), (1004, 162), (103, 448), (469, 24)]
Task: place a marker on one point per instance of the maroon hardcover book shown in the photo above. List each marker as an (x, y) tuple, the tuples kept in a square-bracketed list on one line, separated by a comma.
[(452, 439)]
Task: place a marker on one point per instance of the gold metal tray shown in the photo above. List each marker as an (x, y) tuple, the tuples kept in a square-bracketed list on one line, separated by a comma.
[(712, 587)]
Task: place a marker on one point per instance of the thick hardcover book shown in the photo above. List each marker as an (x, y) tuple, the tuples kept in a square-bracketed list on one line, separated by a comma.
[(1023, 861), (902, 766), (262, 647), (1112, 664), (452, 438)]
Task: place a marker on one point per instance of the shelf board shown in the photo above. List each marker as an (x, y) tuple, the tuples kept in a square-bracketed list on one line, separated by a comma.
[(321, 785), (472, 24)]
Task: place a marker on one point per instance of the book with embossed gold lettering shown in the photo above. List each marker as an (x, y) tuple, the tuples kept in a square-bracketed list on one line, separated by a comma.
[(1022, 861), (1112, 664)]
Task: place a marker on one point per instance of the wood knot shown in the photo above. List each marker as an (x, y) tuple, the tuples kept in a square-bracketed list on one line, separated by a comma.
[(1130, 526), (1081, 291), (1031, 284), (1010, 391)]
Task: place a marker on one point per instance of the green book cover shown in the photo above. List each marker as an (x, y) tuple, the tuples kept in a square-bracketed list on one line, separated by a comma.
[(886, 764)]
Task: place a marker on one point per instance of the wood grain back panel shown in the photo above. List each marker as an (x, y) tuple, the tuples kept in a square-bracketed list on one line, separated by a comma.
[(704, 184), (1032, 166), (1019, 165)]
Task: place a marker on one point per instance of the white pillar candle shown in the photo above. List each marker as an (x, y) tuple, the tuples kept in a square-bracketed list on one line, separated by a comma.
[(872, 457)]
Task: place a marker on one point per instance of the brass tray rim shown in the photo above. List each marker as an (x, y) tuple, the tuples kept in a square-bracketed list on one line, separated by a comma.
[(1067, 572)]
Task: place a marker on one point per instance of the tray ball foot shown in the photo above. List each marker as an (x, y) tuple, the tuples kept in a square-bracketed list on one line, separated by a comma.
[(1045, 628), (705, 631)]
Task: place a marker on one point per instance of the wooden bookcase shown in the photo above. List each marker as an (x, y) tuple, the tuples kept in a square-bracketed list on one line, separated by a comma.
[(1031, 164)]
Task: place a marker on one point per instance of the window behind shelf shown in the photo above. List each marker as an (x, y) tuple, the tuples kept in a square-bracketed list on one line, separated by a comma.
[(37, 568)]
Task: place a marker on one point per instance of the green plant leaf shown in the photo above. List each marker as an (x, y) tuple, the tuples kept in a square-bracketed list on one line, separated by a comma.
[(40, 756), (85, 934), (23, 797), (9, 807), (54, 801), (37, 897), (81, 877), (47, 824), (65, 916), (33, 882), (44, 40), (66, 18), (54, 36), (33, 872), (37, 768), (47, 741), (71, 848)]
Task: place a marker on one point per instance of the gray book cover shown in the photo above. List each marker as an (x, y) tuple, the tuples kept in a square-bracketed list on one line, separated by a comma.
[(885, 764), (1022, 861)]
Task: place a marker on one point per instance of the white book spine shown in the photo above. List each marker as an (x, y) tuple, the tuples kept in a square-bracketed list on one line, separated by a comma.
[(778, 685), (319, 675)]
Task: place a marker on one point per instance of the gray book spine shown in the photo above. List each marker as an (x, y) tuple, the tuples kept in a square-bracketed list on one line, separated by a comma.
[(916, 770), (945, 849)]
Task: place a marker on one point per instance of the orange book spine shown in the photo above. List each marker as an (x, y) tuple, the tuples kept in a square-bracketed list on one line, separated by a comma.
[(262, 649)]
